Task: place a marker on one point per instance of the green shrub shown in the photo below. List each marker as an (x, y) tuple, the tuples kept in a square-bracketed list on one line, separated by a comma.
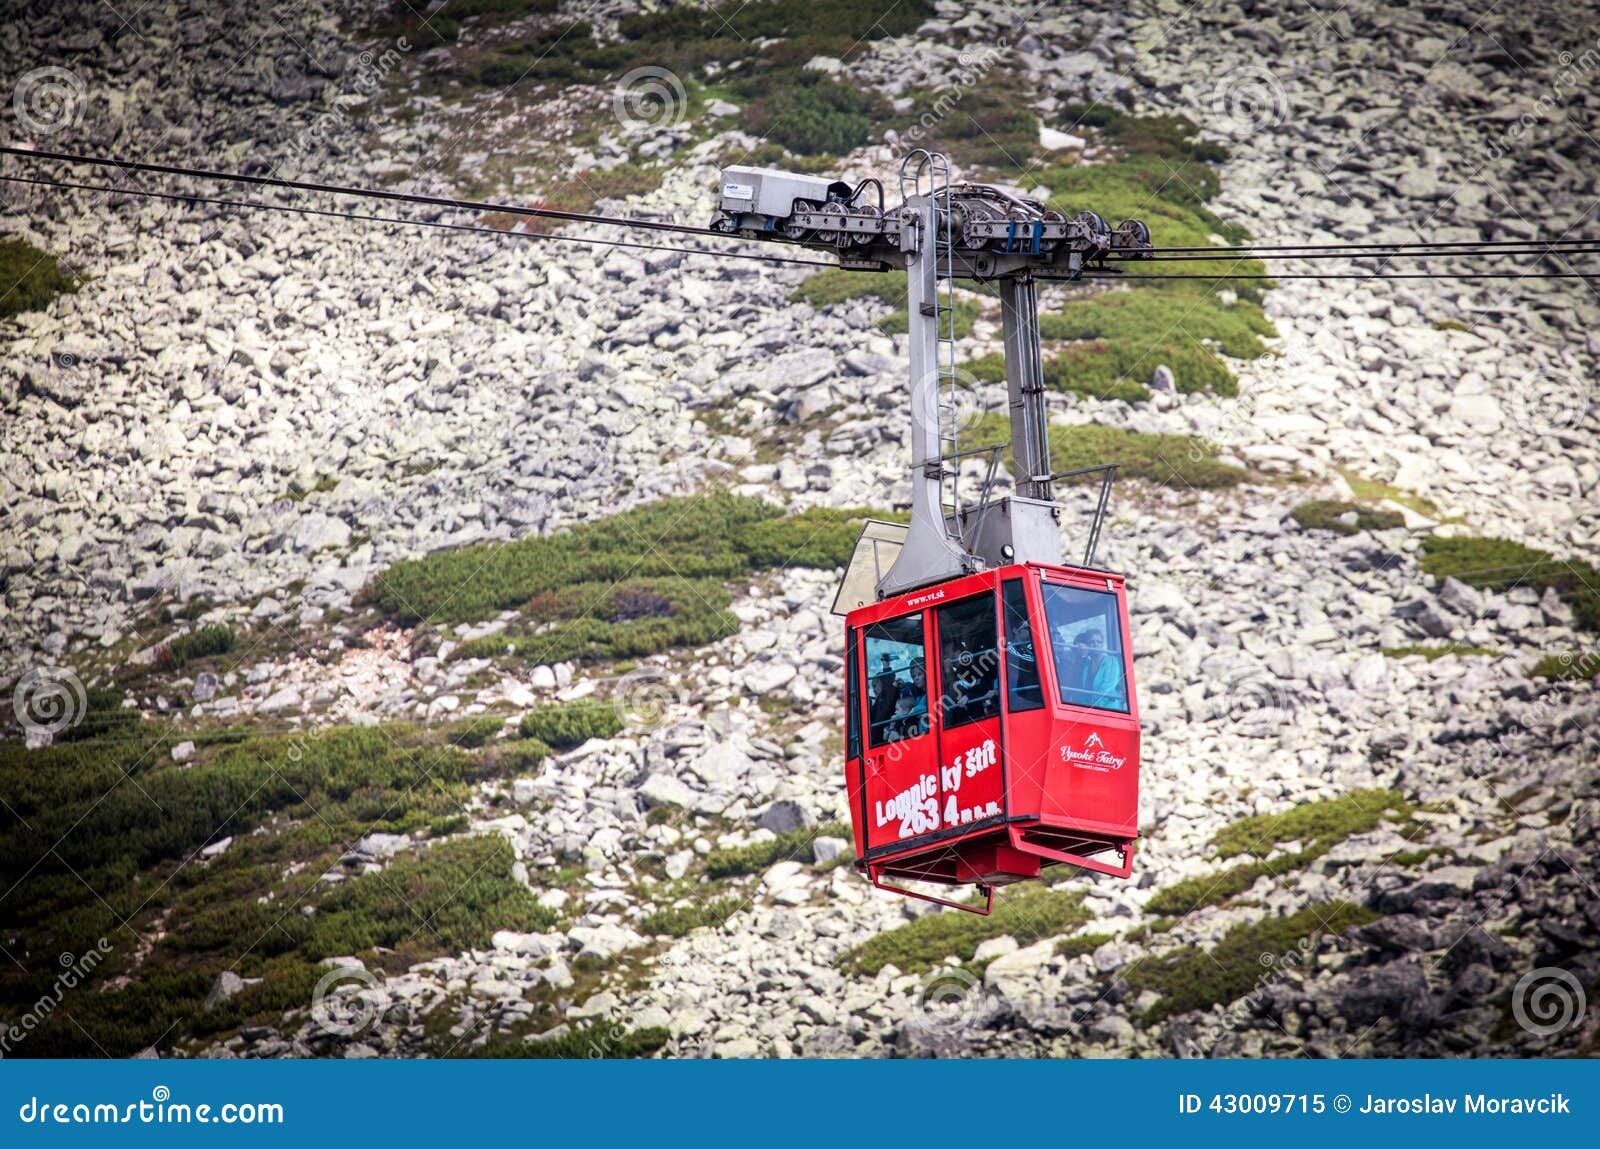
[(98, 839), (627, 586), (474, 732), (963, 314), (1220, 886), (814, 114), (447, 898), (1082, 944), (572, 723), (692, 537), (836, 285), (1165, 460), (1191, 978), (32, 278), (1317, 826), (1324, 514), (795, 845), (1026, 913), (1148, 326), (675, 922), (1061, 374), (1568, 667), (601, 1040), (1321, 823), (1500, 564), (596, 622), (821, 538), (1438, 650), (205, 642), (104, 716), (987, 125), (519, 757)]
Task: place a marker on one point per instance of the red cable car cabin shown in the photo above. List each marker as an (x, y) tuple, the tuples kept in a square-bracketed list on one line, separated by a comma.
[(992, 729)]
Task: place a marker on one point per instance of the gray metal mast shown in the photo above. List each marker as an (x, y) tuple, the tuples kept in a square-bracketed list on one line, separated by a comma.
[(939, 233)]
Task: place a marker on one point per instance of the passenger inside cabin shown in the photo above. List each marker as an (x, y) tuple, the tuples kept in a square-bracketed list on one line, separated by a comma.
[(1022, 668), (1095, 677)]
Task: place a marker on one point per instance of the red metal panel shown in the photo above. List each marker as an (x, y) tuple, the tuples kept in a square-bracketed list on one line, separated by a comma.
[(1064, 777)]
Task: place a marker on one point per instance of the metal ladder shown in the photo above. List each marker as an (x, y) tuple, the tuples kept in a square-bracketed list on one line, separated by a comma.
[(929, 174)]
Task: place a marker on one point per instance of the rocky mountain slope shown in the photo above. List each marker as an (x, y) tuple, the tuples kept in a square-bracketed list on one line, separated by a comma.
[(1369, 826)]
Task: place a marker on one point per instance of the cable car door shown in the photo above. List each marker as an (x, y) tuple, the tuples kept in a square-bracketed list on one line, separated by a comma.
[(900, 780), (971, 777)]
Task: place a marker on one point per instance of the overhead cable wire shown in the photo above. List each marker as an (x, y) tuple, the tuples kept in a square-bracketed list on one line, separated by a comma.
[(365, 193), (261, 205)]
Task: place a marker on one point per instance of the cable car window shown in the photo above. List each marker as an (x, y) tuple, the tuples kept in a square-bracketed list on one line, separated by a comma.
[(1022, 664), (969, 664), (852, 694), (1086, 640), (897, 681)]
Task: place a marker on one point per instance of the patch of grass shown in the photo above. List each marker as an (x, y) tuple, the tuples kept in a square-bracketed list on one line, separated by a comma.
[(795, 845), (1028, 914), (815, 115), (1450, 325), (675, 922), (584, 190), (1417, 857), (987, 125), (321, 487), (1500, 564), (104, 718), (693, 537), (1372, 491), (1082, 944), (1438, 650), (444, 899), (593, 622), (603, 1040), (206, 642), (647, 580), (1164, 460), (1183, 325), (572, 724), (473, 733), (836, 285), (29, 278), (1219, 886), (1567, 667), (1191, 978), (101, 832), (1318, 824), (754, 53), (1326, 515), (820, 538)]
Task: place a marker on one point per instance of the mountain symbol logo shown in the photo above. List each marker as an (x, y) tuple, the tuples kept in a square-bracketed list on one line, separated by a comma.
[(1094, 740)]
